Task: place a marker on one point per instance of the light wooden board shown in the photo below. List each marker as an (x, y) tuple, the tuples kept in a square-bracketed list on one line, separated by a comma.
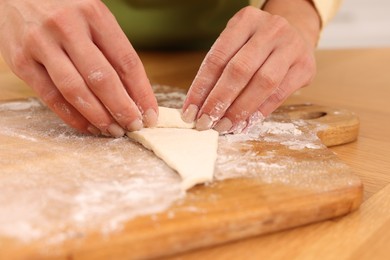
[(306, 185)]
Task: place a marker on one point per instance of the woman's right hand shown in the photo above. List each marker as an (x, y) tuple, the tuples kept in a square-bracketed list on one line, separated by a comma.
[(77, 59)]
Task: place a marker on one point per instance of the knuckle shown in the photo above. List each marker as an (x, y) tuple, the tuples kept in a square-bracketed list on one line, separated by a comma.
[(267, 80), (100, 79), (34, 37), (51, 97), (279, 21), (20, 62), (279, 24), (57, 19), (240, 67), (247, 12), (216, 59), (127, 63), (278, 96), (68, 85), (60, 22), (199, 91), (91, 8)]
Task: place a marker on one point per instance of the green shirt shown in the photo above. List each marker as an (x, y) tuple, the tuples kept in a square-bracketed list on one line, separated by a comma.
[(173, 24)]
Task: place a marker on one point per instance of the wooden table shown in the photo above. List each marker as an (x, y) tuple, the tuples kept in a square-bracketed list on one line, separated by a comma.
[(358, 80)]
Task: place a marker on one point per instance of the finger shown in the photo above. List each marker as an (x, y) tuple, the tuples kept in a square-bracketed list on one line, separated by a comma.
[(260, 87), (111, 40), (74, 89), (96, 71), (235, 35), (42, 84), (76, 92), (295, 79), (105, 83)]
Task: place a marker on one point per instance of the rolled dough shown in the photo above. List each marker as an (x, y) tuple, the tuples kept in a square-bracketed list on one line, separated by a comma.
[(190, 152), (171, 118)]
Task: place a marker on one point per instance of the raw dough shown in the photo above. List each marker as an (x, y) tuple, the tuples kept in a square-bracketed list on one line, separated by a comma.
[(171, 118), (190, 152)]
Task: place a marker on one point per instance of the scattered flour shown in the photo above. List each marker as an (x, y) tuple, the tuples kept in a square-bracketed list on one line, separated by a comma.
[(285, 133), (79, 193), (20, 105), (95, 76)]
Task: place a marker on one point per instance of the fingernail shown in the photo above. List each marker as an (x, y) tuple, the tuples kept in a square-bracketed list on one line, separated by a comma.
[(190, 113), (224, 125), (93, 130), (204, 123), (106, 134), (254, 122), (237, 129), (135, 125), (256, 118), (150, 117), (115, 130)]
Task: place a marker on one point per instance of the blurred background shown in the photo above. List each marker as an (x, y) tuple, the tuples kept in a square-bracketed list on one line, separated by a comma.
[(359, 24)]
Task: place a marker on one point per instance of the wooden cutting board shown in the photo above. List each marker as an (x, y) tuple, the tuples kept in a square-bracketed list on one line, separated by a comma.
[(68, 196)]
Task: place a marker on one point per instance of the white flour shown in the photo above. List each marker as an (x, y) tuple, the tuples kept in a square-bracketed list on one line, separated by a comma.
[(287, 134), (121, 180), (20, 105)]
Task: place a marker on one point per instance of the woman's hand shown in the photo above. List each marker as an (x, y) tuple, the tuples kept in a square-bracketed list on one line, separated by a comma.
[(255, 64), (76, 57)]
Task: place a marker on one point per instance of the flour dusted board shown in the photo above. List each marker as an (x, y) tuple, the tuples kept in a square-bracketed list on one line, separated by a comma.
[(66, 195)]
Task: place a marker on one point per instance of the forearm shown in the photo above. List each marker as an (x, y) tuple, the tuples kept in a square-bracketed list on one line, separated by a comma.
[(301, 14)]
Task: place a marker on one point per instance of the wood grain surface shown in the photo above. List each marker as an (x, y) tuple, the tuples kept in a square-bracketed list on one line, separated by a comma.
[(309, 185), (353, 79)]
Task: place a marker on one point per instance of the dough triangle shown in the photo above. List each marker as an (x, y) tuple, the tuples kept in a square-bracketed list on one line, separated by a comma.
[(190, 152)]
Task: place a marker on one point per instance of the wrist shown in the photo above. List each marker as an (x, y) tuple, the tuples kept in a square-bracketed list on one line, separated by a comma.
[(301, 14)]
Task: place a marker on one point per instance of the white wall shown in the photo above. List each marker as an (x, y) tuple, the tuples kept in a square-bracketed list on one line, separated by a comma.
[(359, 23)]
